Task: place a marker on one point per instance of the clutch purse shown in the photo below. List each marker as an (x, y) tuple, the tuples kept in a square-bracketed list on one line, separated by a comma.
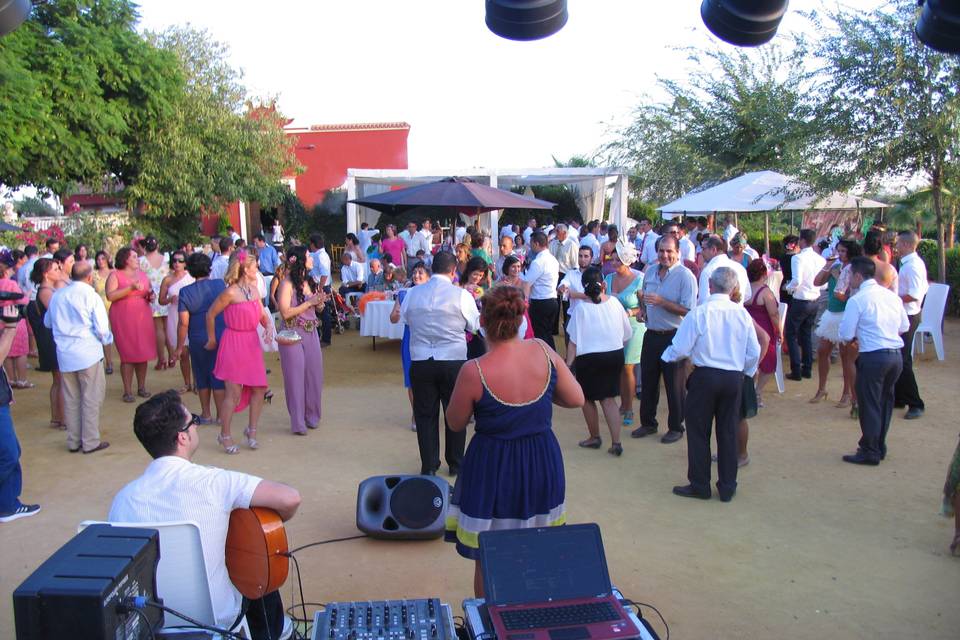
[(288, 337)]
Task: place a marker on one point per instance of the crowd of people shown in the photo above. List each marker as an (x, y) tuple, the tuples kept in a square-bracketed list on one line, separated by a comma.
[(679, 305)]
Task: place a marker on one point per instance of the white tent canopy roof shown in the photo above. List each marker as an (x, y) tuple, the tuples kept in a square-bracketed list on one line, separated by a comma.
[(762, 191)]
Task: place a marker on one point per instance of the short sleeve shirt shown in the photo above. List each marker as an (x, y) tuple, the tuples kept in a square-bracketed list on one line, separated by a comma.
[(678, 286)]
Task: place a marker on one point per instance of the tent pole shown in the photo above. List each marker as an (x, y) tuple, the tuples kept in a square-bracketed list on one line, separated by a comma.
[(766, 232)]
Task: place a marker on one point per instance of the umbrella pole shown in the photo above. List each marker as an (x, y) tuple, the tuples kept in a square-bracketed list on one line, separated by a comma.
[(766, 232)]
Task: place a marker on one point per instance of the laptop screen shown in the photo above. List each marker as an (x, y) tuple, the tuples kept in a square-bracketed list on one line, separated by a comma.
[(524, 566)]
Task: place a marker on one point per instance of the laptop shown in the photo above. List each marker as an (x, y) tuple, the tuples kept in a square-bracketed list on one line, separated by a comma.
[(551, 583)]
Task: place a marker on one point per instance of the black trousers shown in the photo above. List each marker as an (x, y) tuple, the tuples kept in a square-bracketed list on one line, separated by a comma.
[(562, 311), (651, 369), (801, 317), (906, 392), (265, 616), (877, 373), (326, 319), (713, 395), (543, 317), (432, 384)]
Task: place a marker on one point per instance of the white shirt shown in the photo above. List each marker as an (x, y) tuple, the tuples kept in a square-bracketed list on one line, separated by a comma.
[(80, 326), (219, 267), (648, 247), (460, 234), (321, 266), (350, 273), (543, 274), (565, 252), (438, 313), (23, 278), (750, 251), (173, 488), (688, 250), (599, 328), (912, 281), (721, 260), (806, 265), (428, 234), (591, 241), (526, 235), (365, 236), (234, 236), (875, 317), (729, 232), (718, 334), (573, 280), (414, 242)]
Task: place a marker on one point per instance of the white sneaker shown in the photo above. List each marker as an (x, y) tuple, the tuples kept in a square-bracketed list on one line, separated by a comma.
[(23, 511)]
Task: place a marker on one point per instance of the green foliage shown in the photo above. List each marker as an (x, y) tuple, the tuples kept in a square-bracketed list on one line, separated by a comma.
[(97, 232), (33, 206), (79, 88), (929, 250), (329, 217)]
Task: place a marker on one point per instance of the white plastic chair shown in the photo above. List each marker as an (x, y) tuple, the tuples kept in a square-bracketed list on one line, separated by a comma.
[(181, 572), (779, 376), (931, 318)]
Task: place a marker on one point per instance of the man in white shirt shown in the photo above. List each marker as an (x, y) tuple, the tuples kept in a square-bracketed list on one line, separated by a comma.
[(351, 278), (232, 234), (438, 313), (218, 268), (571, 286), (912, 287), (322, 275), (565, 249), (173, 488), (802, 310), (720, 339), (23, 273), (647, 239), (80, 327), (730, 230), (506, 230), (714, 256), (531, 227), (540, 286), (426, 230), (875, 319), (590, 240), (506, 249), (366, 236), (688, 250), (413, 241)]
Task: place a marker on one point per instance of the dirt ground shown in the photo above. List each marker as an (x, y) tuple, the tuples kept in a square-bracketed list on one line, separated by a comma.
[(809, 547)]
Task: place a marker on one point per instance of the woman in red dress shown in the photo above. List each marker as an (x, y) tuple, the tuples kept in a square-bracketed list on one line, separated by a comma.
[(239, 354), (131, 321)]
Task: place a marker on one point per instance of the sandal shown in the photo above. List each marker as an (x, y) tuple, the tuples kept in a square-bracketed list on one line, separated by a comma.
[(58, 424), (821, 395), (187, 388), (198, 419), (160, 366), (22, 384), (230, 449), (591, 443), (251, 437), (108, 370), (627, 417), (616, 449), (268, 398), (143, 393), (843, 403), (128, 397), (171, 363)]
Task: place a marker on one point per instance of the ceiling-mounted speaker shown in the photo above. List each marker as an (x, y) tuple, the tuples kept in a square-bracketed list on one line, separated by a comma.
[(939, 25), (525, 19), (12, 14), (745, 23)]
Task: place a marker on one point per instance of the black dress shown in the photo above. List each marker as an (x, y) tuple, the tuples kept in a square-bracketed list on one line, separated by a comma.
[(45, 346)]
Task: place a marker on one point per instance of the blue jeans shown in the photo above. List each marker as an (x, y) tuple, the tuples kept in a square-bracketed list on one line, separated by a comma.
[(11, 477)]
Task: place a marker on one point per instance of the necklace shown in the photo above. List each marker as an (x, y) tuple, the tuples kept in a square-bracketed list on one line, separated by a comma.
[(247, 295)]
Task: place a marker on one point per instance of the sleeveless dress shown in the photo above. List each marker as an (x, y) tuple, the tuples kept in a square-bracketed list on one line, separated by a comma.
[(21, 339), (768, 361), (173, 317), (156, 276), (239, 354), (405, 345), (630, 299), (131, 322), (100, 286), (46, 348), (512, 473)]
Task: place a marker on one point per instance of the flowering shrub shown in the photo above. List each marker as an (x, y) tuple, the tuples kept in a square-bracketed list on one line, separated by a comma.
[(39, 238)]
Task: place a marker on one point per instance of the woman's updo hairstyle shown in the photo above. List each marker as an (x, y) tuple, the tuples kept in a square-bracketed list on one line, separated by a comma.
[(592, 281), (502, 312)]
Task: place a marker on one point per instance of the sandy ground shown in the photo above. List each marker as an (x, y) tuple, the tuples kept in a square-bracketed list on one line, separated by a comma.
[(810, 547)]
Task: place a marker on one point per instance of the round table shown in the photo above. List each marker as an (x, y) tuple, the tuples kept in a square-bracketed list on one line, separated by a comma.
[(375, 322)]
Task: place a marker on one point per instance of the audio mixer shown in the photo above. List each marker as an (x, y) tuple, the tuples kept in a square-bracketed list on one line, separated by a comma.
[(420, 619)]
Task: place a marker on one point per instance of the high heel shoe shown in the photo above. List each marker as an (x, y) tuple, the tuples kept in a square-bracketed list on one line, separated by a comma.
[(251, 437), (268, 398), (229, 449), (821, 395), (616, 449)]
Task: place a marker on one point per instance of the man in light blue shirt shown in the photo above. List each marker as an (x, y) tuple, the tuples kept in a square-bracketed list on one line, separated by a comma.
[(266, 254), (23, 273), (80, 327)]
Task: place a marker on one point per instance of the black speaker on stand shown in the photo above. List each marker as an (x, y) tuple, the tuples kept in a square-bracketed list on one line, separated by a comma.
[(402, 507)]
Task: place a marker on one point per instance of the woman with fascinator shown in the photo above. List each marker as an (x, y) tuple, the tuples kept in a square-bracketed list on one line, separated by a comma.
[(300, 356), (626, 285)]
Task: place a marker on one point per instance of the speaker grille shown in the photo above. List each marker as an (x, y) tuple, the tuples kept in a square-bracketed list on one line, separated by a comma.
[(416, 503)]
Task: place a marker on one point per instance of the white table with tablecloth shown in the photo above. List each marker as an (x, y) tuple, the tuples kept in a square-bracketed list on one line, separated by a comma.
[(375, 322)]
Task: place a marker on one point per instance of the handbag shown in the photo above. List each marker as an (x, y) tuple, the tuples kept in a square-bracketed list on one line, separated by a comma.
[(287, 337)]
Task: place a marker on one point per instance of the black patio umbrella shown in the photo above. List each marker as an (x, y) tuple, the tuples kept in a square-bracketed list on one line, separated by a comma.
[(5, 226), (462, 194)]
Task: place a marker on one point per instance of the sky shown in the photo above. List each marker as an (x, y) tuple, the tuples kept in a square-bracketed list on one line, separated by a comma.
[(472, 98)]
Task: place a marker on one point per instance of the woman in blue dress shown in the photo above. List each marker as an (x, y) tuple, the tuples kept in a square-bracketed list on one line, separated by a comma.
[(512, 473), (626, 285), (418, 275)]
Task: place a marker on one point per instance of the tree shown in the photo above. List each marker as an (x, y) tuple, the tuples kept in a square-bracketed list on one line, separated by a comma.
[(888, 105), (215, 146), (78, 87), (736, 112)]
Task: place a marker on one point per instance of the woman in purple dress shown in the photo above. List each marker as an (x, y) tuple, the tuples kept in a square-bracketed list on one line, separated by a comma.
[(301, 360)]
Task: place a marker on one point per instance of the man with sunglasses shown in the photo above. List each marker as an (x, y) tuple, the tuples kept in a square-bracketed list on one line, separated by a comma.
[(173, 488)]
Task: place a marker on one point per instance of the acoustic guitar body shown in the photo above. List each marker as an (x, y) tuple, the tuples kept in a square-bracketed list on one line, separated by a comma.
[(256, 541)]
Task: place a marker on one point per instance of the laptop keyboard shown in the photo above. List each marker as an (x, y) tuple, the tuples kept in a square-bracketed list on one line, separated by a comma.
[(547, 617)]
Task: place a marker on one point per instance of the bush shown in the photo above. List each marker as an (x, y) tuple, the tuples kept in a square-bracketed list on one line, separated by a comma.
[(929, 251)]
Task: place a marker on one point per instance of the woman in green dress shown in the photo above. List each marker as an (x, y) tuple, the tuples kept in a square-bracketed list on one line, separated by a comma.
[(626, 285)]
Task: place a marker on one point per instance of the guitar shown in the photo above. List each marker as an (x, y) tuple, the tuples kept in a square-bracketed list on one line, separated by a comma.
[(255, 551)]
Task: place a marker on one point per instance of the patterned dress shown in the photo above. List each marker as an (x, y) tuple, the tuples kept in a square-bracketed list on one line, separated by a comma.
[(156, 276)]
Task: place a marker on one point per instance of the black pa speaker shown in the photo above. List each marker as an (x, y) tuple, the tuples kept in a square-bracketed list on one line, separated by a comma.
[(402, 507)]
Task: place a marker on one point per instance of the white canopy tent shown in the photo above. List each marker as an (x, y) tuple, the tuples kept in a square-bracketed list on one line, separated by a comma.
[(764, 191), (591, 184)]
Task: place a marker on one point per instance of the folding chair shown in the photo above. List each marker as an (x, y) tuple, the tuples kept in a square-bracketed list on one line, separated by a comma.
[(931, 318)]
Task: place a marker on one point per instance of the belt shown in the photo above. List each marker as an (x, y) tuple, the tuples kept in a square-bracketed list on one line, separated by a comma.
[(662, 332), (864, 353)]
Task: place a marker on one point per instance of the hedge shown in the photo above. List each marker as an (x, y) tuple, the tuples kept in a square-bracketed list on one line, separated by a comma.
[(929, 250)]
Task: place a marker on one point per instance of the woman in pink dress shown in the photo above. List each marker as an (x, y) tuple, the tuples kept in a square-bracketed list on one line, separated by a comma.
[(239, 354), (16, 362), (765, 311), (393, 245), (131, 320)]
